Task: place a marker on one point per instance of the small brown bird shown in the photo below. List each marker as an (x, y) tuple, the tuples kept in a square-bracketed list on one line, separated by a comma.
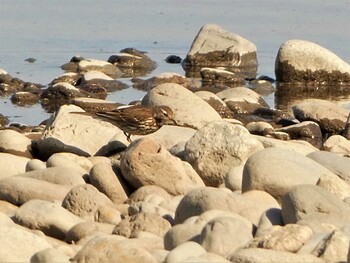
[(137, 120)]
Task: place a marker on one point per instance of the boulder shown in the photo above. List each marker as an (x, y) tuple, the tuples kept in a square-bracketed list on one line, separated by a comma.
[(48, 217), (218, 104), (314, 205), (189, 109), (277, 170), (145, 162), (15, 143), (217, 147), (216, 47), (337, 144), (304, 61), (12, 164), (184, 251), (329, 116)]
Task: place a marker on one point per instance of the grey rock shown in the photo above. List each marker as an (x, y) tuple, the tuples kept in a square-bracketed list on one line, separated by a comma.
[(217, 147), (315, 205)]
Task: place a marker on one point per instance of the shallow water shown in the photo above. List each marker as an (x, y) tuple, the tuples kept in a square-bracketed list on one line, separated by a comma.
[(54, 31)]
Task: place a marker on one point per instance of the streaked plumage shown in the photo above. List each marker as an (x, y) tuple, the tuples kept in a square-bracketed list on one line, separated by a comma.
[(138, 120)]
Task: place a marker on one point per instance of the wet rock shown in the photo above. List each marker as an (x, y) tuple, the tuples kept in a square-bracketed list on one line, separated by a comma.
[(51, 218), (15, 143), (173, 59), (3, 120), (145, 162), (304, 61), (242, 100), (133, 62), (263, 85), (314, 205), (18, 245), (30, 60), (71, 78), (23, 98), (189, 109), (131, 226), (216, 47), (339, 165), (331, 117), (84, 65), (217, 147), (166, 77), (12, 164), (84, 200), (337, 144), (18, 190), (265, 169), (346, 131), (276, 116), (307, 130), (221, 76), (216, 103), (75, 133)]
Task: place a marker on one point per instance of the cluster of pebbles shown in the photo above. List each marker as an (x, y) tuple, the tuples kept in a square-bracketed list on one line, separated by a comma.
[(234, 181)]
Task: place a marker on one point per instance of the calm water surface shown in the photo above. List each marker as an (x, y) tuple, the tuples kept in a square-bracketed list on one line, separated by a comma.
[(54, 31)]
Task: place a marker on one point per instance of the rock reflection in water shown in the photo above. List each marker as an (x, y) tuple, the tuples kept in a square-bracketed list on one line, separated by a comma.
[(289, 94)]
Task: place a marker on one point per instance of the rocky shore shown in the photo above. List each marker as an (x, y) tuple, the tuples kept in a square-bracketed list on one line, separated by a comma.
[(233, 181)]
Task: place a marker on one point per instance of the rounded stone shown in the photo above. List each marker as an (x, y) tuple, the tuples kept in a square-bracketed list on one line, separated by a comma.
[(15, 143)]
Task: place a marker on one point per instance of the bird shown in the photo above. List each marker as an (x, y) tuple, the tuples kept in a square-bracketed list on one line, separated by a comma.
[(136, 119)]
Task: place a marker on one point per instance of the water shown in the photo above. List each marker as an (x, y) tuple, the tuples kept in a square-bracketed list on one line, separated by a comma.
[(54, 31)]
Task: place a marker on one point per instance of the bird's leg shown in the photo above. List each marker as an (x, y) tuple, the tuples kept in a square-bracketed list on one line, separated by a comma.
[(128, 137)]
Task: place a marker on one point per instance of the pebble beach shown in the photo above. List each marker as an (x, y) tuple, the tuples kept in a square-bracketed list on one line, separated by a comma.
[(256, 167)]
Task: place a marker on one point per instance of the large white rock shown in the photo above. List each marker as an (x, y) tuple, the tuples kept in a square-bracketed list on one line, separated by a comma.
[(16, 143), (300, 60), (189, 109)]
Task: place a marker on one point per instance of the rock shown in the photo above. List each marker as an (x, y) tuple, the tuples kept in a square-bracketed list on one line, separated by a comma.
[(217, 147), (69, 77), (173, 59), (50, 255), (216, 47), (133, 62), (83, 165), (106, 181), (99, 65), (259, 128), (87, 230), (242, 100), (7, 208), (304, 61), (234, 177), (169, 136), (219, 75), (334, 162), (224, 235), (334, 248), (24, 98), (61, 91), (189, 109), (109, 248), (84, 200), (35, 164), (289, 238), (93, 75), (346, 131), (77, 134), (207, 257), (268, 219), (307, 130), (268, 255), (131, 226), (276, 171), (5, 220), (166, 77), (56, 175), (147, 163), (94, 105), (301, 147), (18, 190), (11, 164), (337, 144), (184, 251), (329, 116), (107, 214), (143, 193), (51, 218), (314, 205), (335, 185), (18, 245), (217, 104)]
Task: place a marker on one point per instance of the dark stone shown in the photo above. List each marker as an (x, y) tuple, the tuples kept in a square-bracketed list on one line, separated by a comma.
[(30, 60), (25, 98), (173, 59)]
